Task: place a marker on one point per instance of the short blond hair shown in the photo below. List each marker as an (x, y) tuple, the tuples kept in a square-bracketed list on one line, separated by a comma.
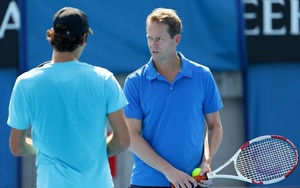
[(168, 17)]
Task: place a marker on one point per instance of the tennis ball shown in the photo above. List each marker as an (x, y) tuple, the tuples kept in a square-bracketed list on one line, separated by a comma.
[(196, 172)]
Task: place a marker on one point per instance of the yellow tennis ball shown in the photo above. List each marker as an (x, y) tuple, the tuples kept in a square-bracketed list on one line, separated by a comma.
[(196, 172)]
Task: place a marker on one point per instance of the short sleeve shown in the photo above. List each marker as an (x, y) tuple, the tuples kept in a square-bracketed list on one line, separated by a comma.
[(213, 101), (17, 112), (131, 91), (115, 96)]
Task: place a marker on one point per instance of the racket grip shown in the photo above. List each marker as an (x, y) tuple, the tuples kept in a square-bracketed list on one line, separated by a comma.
[(197, 178)]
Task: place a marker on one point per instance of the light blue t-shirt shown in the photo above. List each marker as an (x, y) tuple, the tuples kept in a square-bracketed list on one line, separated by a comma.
[(67, 105), (172, 116)]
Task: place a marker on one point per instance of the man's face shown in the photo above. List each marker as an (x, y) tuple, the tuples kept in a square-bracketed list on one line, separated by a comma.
[(160, 44)]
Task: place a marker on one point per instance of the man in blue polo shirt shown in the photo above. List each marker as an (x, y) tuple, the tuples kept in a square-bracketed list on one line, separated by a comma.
[(170, 100)]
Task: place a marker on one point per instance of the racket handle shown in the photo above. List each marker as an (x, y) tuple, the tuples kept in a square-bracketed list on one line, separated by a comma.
[(197, 178)]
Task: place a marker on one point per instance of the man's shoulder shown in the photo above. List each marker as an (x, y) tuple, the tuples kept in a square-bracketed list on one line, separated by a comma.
[(197, 68), (28, 75), (138, 72), (193, 64)]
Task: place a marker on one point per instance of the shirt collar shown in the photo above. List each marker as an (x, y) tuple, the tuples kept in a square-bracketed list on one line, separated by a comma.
[(186, 70)]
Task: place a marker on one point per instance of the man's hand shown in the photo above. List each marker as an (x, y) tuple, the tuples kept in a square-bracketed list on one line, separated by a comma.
[(205, 169), (180, 179)]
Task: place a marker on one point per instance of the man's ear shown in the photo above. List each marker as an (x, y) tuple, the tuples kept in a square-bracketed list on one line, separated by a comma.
[(85, 38), (177, 39)]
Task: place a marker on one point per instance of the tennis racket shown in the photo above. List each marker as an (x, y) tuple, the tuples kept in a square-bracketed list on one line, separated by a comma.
[(263, 160)]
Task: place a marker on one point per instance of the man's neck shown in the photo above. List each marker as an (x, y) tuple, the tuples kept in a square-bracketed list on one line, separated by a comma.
[(169, 69)]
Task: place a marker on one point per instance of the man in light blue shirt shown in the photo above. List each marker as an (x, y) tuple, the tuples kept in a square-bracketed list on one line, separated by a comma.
[(66, 103)]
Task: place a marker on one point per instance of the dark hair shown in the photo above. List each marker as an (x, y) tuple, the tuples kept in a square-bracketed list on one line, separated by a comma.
[(168, 17), (64, 43)]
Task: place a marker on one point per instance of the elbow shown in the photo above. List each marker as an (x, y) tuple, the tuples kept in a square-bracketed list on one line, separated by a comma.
[(126, 143), (15, 149)]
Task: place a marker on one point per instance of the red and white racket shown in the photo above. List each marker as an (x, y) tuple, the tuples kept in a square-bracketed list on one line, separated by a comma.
[(263, 160)]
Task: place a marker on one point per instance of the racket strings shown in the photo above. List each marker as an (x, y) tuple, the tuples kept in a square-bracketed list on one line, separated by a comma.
[(266, 160)]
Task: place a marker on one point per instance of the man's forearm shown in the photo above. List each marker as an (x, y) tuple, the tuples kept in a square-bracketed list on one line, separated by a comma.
[(25, 149), (145, 152), (214, 140), (20, 144)]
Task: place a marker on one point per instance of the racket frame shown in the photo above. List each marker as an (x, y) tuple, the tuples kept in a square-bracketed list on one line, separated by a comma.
[(239, 176)]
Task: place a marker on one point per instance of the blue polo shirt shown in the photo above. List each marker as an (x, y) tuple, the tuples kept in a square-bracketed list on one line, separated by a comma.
[(172, 116)]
